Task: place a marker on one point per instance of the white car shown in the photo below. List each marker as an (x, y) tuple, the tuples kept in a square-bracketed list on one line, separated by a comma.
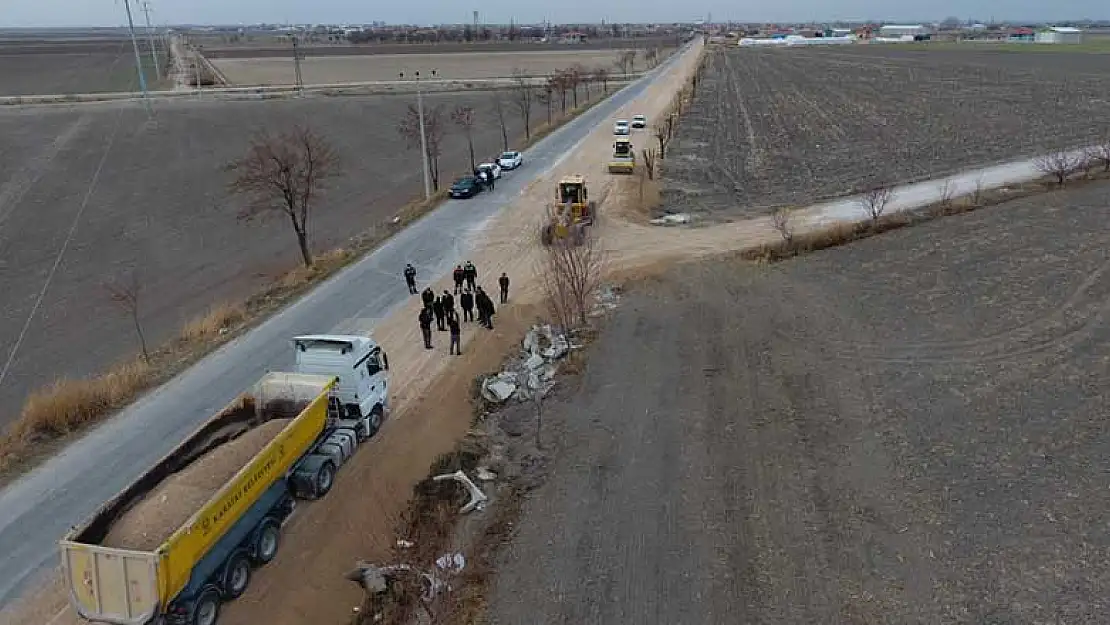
[(494, 168), (639, 121), (621, 127), (510, 160)]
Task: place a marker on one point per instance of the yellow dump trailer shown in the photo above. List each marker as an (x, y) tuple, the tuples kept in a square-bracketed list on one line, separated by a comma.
[(209, 557)]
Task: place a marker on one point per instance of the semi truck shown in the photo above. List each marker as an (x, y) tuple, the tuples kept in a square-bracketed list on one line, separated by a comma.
[(334, 400)]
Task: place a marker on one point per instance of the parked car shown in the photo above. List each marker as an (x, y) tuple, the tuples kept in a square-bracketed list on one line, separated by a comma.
[(493, 169), (639, 121), (510, 160), (621, 127), (467, 186)]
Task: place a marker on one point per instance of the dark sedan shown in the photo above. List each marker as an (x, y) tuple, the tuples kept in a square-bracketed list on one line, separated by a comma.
[(468, 186)]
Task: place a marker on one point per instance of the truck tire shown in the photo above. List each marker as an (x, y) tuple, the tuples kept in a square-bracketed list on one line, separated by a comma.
[(266, 542), (323, 480), (374, 422), (237, 576), (206, 609)]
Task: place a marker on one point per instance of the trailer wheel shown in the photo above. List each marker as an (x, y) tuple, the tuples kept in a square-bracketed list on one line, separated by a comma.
[(325, 478), (206, 610), (266, 543), (237, 576), (375, 420)]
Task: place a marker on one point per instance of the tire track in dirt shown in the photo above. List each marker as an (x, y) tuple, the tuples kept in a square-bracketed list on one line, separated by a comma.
[(1058, 330), (35, 167)]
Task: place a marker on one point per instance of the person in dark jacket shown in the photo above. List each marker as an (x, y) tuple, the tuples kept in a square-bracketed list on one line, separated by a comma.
[(466, 302), (410, 278), (437, 310), (471, 274), (503, 282), (448, 305), (428, 296), (425, 320), (459, 275), (485, 308), (456, 336)]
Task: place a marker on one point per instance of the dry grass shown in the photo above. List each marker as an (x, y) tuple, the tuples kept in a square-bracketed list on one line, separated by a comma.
[(52, 414)]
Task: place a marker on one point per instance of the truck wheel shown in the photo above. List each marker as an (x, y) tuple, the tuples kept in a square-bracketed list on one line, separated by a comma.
[(237, 576), (375, 420), (266, 543), (325, 478), (206, 610)]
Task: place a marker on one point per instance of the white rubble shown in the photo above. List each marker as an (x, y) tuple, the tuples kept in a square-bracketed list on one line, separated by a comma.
[(674, 219)]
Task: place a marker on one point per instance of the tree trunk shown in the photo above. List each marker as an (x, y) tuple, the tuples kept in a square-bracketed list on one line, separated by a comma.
[(433, 165), (575, 88), (563, 95), (470, 144), (302, 242), (504, 133), (549, 110), (139, 331)]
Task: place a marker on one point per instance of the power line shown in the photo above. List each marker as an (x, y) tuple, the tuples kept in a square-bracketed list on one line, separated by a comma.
[(150, 37), (65, 246)]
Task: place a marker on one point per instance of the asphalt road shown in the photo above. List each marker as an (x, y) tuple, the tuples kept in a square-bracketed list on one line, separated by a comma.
[(38, 509)]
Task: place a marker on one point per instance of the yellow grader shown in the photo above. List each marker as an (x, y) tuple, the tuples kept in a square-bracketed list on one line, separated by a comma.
[(570, 214), (624, 157)]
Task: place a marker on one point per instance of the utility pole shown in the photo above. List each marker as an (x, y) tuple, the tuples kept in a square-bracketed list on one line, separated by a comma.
[(138, 59), (297, 65), (423, 136), (150, 37)]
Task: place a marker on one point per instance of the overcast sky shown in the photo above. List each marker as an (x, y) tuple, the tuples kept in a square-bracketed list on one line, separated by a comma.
[(24, 13)]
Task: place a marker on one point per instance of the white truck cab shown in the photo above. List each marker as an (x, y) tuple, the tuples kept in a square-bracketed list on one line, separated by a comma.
[(362, 368)]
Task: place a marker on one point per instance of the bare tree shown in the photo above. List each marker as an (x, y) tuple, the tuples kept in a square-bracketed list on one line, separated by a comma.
[(499, 111), (524, 93), (626, 62), (571, 272), (546, 97), (435, 128), (1100, 153), (1059, 165), (283, 174), (661, 134), (780, 221), (124, 292), (601, 75), (582, 76), (977, 192), (649, 162), (573, 79), (944, 195), (875, 200), (560, 82), (463, 117)]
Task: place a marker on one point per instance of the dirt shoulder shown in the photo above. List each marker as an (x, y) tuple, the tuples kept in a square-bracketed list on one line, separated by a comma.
[(897, 431)]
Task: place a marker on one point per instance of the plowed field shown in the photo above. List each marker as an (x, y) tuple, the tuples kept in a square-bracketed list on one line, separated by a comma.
[(791, 126)]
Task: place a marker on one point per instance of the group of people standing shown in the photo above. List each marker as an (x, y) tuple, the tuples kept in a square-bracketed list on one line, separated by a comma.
[(441, 308)]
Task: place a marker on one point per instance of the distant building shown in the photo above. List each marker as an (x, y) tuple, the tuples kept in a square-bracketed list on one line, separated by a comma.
[(1060, 34), (895, 31), (1022, 34)]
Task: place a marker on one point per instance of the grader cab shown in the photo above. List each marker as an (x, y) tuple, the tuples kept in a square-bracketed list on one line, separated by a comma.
[(570, 214)]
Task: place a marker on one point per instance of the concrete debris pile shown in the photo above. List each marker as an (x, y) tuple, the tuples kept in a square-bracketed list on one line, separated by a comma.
[(672, 219), (608, 298), (532, 373)]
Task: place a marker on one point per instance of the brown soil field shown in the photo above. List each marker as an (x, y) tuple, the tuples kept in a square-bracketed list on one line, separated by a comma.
[(764, 132), (72, 67), (908, 429), (215, 48), (385, 67), (159, 203)]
